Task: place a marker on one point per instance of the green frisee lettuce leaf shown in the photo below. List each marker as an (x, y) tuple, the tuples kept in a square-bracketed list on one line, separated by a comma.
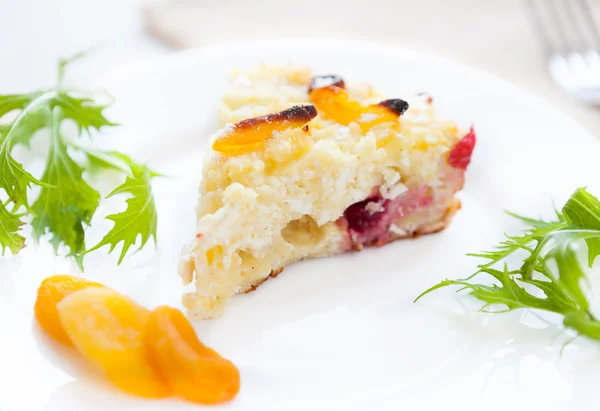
[(67, 202), (139, 218), (547, 244)]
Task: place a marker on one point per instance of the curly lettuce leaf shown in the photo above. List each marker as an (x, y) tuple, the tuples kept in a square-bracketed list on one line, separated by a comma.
[(10, 224), (139, 218), (68, 203), (583, 210), (552, 268)]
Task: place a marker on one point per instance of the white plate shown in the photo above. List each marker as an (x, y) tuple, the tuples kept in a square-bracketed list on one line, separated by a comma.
[(339, 333)]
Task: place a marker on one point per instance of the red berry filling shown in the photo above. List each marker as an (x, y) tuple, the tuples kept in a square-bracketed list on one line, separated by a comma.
[(360, 218), (460, 156), (369, 225)]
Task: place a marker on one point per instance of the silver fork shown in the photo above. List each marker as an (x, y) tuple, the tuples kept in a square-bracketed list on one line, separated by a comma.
[(571, 42)]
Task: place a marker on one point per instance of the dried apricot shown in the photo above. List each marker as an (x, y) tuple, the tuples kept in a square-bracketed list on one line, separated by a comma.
[(249, 135), (51, 292), (189, 368), (335, 103), (107, 329)]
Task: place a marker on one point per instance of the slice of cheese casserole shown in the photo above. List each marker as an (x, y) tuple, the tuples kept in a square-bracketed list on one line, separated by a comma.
[(310, 167)]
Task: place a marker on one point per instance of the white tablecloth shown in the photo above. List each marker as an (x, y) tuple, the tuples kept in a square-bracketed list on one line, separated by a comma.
[(491, 34), (494, 35)]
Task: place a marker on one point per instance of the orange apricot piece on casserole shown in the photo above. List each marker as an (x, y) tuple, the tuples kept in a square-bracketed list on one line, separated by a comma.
[(51, 292), (250, 134), (107, 329), (335, 103), (191, 370)]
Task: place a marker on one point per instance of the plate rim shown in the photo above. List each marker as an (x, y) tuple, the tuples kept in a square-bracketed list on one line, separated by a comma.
[(527, 97)]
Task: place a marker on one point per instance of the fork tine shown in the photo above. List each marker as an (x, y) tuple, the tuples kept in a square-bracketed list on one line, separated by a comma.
[(564, 26), (562, 34), (571, 40), (584, 7), (538, 21), (578, 31)]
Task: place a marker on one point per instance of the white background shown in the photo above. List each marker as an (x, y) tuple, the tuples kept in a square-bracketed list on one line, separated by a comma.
[(35, 33), (494, 35)]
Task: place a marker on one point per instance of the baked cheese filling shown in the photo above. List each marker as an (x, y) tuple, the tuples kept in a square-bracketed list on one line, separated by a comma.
[(311, 166)]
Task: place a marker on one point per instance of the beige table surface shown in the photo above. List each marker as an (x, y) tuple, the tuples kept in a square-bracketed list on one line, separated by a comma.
[(494, 35)]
